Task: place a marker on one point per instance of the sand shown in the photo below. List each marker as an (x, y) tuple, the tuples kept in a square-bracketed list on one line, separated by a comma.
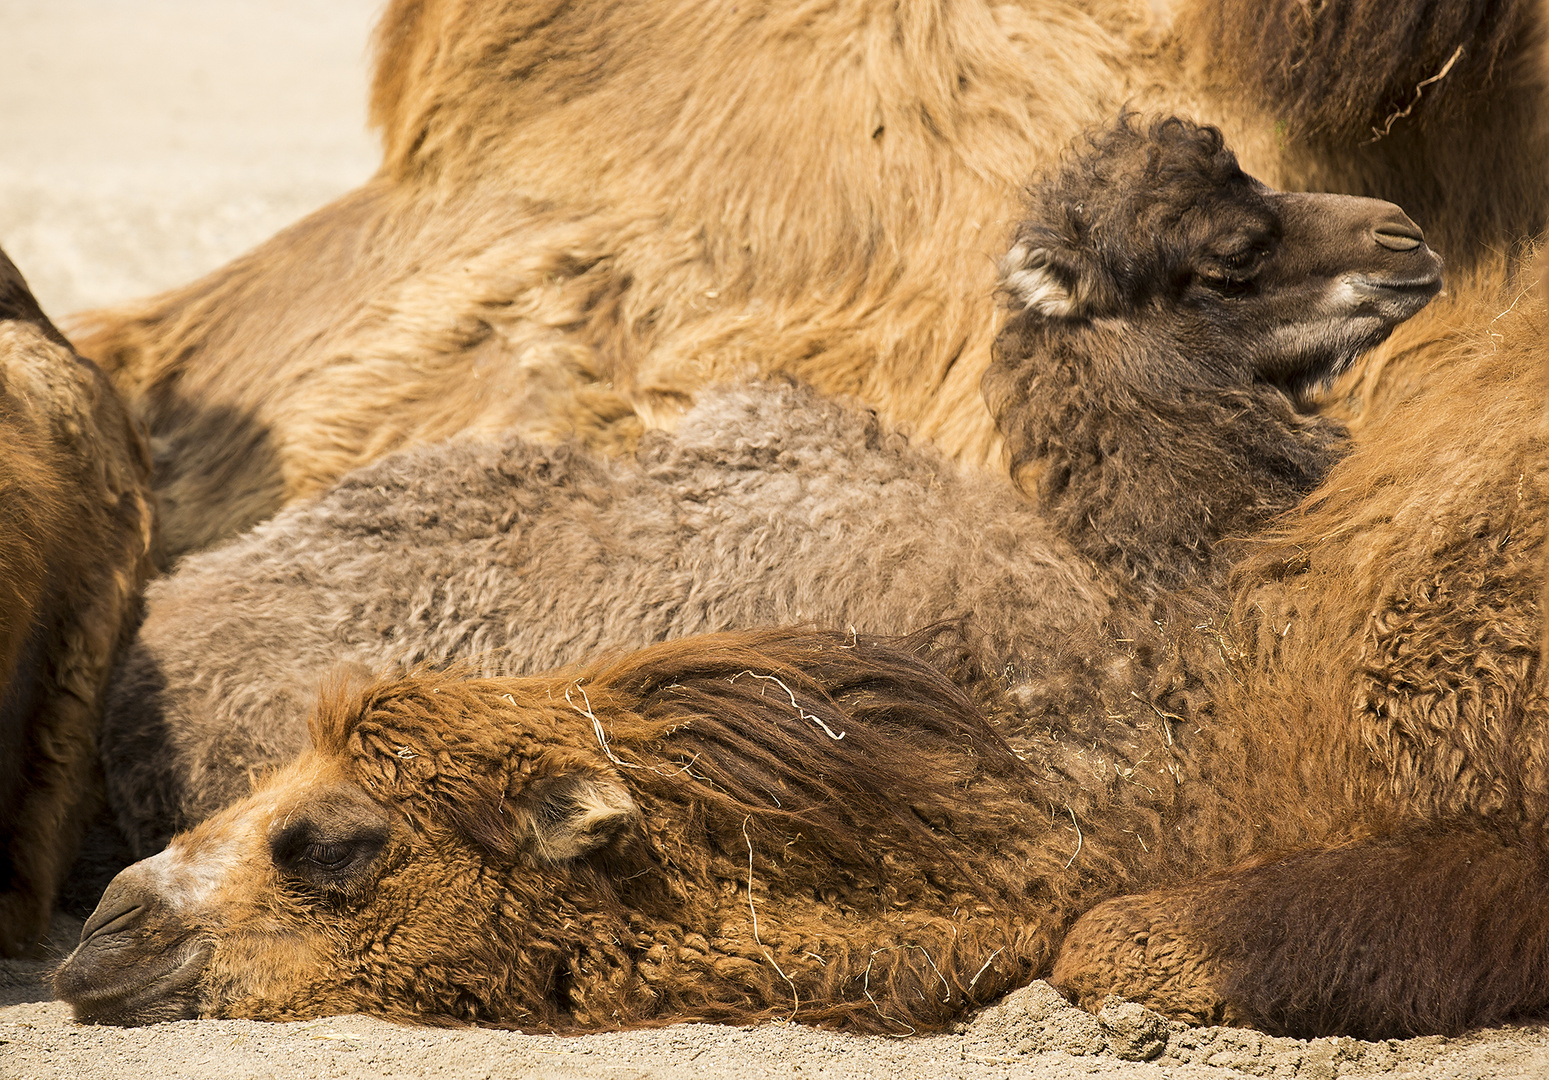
[(1030, 1033), (148, 141)]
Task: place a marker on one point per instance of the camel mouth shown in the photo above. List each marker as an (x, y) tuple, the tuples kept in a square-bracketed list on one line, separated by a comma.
[(147, 989), (1307, 388), (1428, 285), (1392, 300)]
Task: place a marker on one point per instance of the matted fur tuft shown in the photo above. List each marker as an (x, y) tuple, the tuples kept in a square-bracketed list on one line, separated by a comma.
[(842, 733)]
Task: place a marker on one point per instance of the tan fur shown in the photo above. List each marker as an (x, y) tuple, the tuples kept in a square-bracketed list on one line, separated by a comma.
[(1140, 946), (588, 210)]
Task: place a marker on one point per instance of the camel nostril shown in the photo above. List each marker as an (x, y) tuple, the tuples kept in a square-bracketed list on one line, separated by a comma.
[(123, 905), (1398, 235), (111, 921)]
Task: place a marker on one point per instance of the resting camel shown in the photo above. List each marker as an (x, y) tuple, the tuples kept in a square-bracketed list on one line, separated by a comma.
[(1147, 429), (1323, 813), (76, 535), (1326, 812), (810, 824), (588, 211)]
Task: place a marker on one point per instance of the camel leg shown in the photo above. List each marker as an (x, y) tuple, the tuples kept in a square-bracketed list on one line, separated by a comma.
[(1430, 931), (1138, 948)]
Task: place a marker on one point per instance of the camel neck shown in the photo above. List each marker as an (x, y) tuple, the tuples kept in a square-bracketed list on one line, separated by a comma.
[(1150, 464)]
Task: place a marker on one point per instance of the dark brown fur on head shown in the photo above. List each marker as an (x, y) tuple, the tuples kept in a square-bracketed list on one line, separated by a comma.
[(1120, 223), (840, 736), (1167, 309)]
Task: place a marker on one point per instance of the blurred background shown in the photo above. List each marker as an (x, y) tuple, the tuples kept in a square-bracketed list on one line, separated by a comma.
[(145, 142)]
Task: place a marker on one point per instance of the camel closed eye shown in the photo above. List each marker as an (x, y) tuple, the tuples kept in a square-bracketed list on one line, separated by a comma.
[(1236, 271), (329, 856), (326, 860)]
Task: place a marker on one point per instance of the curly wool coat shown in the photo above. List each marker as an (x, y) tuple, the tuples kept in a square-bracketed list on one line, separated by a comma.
[(1337, 795), (769, 505), (1162, 436)]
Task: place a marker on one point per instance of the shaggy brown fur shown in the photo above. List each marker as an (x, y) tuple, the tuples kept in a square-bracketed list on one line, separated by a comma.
[(1428, 930), (1336, 796), (1382, 722), (1143, 379), (810, 825), (75, 546), (769, 505), (1345, 69), (588, 210), (1292, 783)]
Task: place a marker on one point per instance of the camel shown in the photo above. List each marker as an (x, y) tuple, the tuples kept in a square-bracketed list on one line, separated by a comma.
[(573, 240), (771, 504), (1318, 810), (1390, 633), (807, 824), (1320, 815), (76, 548)]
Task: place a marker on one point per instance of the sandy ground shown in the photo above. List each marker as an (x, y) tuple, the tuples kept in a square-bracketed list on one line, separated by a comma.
[(1032, 1033), (143, 142)]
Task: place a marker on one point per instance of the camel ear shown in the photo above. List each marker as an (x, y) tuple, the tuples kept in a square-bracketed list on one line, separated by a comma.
[(338, 704), (556, 812), (1028, 276), (576, 813)]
